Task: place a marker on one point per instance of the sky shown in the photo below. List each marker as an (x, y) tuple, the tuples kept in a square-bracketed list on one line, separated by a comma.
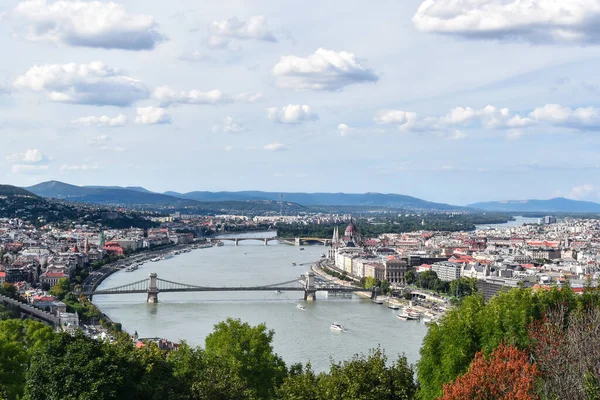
[(454, 101)]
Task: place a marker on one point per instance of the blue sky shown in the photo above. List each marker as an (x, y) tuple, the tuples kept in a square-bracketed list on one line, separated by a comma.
[(454, 101)]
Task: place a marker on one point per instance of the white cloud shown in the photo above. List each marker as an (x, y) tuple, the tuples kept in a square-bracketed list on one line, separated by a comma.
[(275, 147), (255, 28), (30, 156), (291, 114), (99, 139), (322, 70), (87, 24), (579, 118), (119, 120), (194, 56), (168, 96), (228, 148), (92, 83), (152, 116), (456, 135), (28, 169), (585, 191), (83, 167), (344, 130), (229, 126), (493, 118), (535, 21)]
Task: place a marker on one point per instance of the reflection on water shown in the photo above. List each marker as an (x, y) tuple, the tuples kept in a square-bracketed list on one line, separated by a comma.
[(300, 335)]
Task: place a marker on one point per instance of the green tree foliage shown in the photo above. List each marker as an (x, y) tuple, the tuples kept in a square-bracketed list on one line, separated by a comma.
[(74, 367), (8, 290), (463, 287), (473, 326), (370, 282), (245, 352), (18, 339), (61, 288), (410, 277), (359, 378)]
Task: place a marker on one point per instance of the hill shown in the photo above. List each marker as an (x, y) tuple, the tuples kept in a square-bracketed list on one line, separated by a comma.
[(9, 191), (322, 199), (106, 195), (137, 196), (559, 204)]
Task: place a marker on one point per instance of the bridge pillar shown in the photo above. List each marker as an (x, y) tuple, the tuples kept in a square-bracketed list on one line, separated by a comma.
[(266, 241), (374, 292), (237, 241), (310, 292), (152, 288), (297, 241)]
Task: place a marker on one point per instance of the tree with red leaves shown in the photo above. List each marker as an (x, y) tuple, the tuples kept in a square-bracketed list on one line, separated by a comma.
[(507, 375)]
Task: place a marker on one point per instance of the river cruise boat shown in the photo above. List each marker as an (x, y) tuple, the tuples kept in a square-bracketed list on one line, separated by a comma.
[(403, 316), (337, 327)]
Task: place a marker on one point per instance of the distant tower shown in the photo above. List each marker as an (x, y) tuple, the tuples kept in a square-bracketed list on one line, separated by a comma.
[(336, 236), (102, 239), (86, 248)]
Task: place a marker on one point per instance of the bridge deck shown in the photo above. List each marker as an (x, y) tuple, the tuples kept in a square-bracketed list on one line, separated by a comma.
[(228, 289)]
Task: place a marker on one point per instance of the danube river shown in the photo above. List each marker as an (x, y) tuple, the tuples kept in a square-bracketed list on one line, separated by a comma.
[(300, 335)]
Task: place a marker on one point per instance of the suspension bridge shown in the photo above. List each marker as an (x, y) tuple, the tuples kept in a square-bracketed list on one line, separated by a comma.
[(153, 286)]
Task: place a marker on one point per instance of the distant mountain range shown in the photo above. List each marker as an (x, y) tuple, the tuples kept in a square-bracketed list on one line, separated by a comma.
[(139, 195), (559, 204)]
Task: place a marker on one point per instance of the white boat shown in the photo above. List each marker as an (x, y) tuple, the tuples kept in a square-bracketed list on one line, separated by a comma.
[(393, 306), (426, 320), (402, 317), (300, 307), (377, 301), (278, 292), (337, 327)]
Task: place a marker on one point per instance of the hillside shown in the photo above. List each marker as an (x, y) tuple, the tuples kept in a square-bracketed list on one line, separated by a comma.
[(322, 199), (558, 204), (106, 195), (137, 196), (9, 191)]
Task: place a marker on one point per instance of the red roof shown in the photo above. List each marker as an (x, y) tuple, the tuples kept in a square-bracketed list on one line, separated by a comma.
[(54, 274)]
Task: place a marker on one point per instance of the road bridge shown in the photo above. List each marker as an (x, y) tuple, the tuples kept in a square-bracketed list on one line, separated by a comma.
[(237, 240), (154, 285)]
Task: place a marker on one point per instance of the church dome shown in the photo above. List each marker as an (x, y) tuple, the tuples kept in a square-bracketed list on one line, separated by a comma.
[(350, 229)]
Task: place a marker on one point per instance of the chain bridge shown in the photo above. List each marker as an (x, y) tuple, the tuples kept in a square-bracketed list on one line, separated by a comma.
[(154, 285)]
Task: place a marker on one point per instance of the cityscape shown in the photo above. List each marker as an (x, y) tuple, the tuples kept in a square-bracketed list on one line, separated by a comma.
[(300, 201)]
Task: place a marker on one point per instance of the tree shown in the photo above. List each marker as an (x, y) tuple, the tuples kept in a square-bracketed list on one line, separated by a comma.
[(8, 290), (73, 367), (368, 378), (462, 287), (300, 384), (61, 288), (385, 286), (18, 339), (566, 348), (410, 277), (246, 355), (370, 282), (506, 375)]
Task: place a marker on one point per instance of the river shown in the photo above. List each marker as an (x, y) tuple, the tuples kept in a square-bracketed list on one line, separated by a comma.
[(518, 221), (300, 336)]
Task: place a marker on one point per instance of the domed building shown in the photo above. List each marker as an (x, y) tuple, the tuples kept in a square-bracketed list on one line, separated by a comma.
[(352, 236)]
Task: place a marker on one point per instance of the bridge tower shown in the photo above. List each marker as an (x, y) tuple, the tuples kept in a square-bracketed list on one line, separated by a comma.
[(152, 288), (237, 241), (374, 292), (297, 241), (310, 292)]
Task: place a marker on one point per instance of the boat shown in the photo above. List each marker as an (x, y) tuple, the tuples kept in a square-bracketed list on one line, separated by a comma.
[(377, 301), (278, 291), (293, 264), (301, 248), (300, 307), (393, 306), (402, 317), (427, 320), (336, 327), (323, 256), (407, 317), (219, 244)]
